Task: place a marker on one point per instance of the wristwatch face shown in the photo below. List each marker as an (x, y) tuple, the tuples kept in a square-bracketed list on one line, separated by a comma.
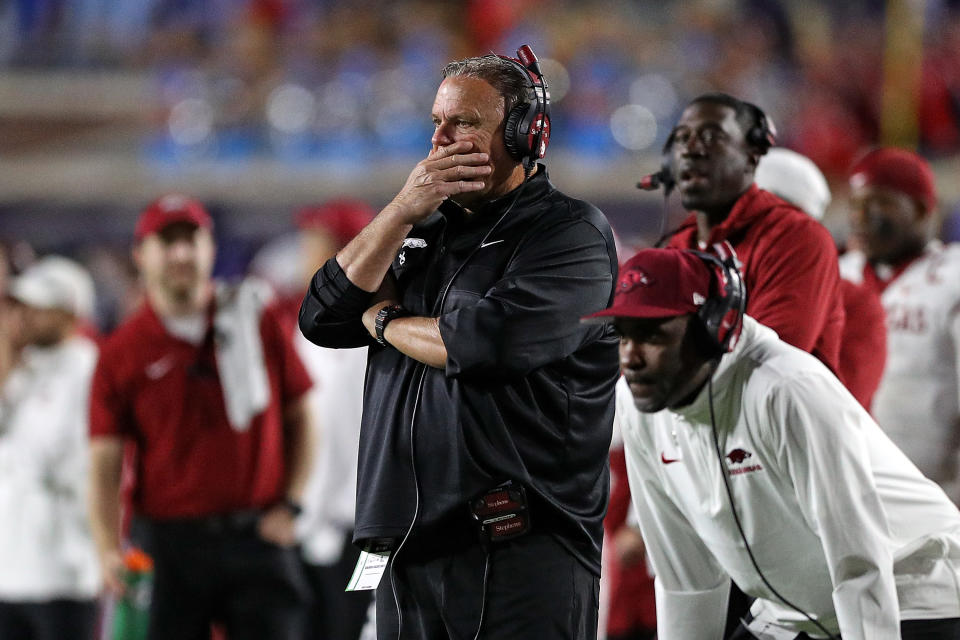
[(384, 316)]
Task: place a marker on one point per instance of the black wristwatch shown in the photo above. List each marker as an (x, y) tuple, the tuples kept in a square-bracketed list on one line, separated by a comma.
[(384, 316)]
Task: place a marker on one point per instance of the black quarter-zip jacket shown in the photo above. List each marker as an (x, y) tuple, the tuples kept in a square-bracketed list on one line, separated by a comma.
[(528, 391)]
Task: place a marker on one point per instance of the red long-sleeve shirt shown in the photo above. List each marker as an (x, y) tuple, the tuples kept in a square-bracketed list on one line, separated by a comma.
[(789, 267)]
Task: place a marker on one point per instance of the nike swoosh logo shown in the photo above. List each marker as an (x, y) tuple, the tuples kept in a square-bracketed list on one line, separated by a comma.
[(665, 460), (487, 244), (160, 368)]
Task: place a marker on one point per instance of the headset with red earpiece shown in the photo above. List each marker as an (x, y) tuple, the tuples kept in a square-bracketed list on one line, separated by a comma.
[(527, 130), (722, 312)]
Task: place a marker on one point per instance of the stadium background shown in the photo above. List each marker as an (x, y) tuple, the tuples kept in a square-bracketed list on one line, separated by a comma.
[(258, 107)]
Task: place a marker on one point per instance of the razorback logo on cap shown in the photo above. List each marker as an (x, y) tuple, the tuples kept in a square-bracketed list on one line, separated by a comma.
[(634, 278)]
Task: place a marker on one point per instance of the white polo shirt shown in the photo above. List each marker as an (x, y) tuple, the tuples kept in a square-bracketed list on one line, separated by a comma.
[(46, 550), (840, 521)]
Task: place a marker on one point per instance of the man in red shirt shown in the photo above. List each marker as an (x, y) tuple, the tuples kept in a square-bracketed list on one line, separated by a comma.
[(789, 260), (205, 384)]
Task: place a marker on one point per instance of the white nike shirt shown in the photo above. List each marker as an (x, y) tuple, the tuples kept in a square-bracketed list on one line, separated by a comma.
[(840, 521), (918, 400), (46, 549)]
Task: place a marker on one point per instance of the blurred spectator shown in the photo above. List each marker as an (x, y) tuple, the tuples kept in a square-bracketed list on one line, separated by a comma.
[(863, 344), (299, 80), (893, 201), (336, 400), (206, 384), (50, 578)]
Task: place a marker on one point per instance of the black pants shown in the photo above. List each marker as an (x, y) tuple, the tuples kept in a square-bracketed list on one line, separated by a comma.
[(943, 629), (534, 589), (208, 571), (52, 620), (738, 608), (337, 614)]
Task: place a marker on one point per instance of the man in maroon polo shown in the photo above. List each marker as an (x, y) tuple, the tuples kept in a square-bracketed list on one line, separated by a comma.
[(205, 384)]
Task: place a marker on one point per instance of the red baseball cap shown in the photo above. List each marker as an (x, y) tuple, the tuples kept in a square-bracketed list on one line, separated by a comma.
[(168, 210), (344, 218), (658, 283), (897, 169)]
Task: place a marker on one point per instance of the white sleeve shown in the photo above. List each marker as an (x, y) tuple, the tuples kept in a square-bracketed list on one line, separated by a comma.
[(70, 458), (823, 448), (691, 588)]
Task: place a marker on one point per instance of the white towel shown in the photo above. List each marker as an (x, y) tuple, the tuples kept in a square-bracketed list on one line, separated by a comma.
[(239, 349)]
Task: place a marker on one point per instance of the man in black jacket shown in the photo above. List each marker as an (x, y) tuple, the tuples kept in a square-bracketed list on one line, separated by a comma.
[(486, 400)]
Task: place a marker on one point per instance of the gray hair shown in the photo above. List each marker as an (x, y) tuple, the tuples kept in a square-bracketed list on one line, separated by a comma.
[(500, 74)]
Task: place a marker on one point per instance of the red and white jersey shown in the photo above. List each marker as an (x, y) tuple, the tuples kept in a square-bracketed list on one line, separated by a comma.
[(917, 400)]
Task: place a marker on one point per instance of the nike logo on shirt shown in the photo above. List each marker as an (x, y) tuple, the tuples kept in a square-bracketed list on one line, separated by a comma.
[(665, 460), (487, 244), (160, 368)]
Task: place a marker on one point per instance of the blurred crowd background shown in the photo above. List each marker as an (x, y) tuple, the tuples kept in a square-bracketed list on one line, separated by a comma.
[(258, 107)]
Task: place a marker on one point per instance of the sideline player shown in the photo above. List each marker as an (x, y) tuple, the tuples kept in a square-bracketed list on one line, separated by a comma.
[(893, 201)]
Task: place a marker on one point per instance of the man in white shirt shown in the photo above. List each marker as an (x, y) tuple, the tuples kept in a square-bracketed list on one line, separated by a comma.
[(49, 577), (893, 201), (747, 459), (325, 528)]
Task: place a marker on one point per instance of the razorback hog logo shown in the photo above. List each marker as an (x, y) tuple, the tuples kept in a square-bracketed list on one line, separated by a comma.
[(738, 455), (632, 279)]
